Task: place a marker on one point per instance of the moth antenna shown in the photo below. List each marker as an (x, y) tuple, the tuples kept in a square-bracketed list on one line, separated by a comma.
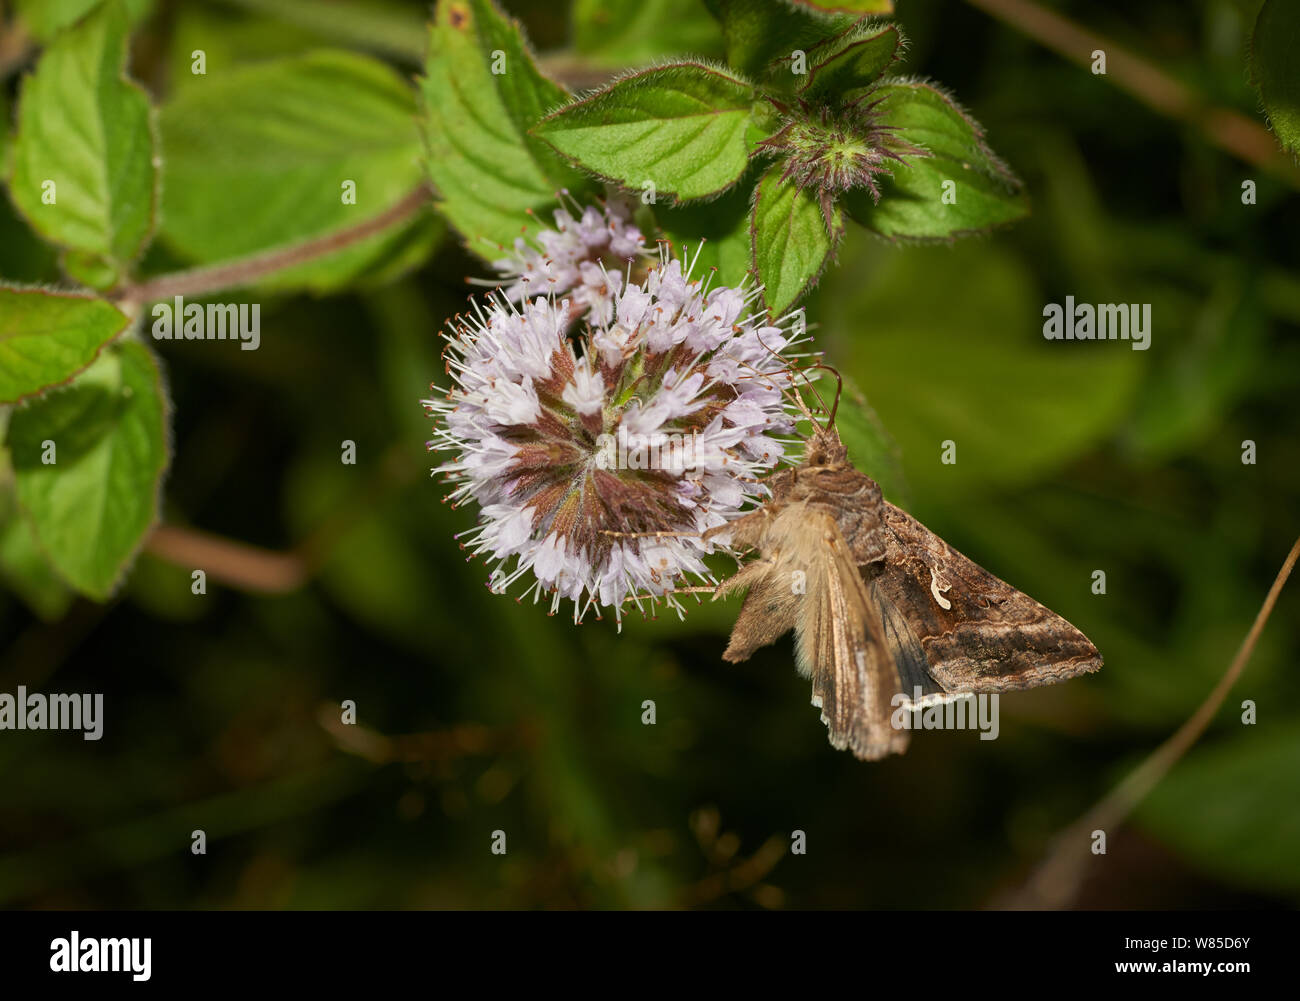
[(788, 393), (791, 393), (808, 382), (839, 383), (758, 374), (839, 388)]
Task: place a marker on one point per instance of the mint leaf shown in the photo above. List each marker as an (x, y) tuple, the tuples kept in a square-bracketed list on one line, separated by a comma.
[(274, 153), (852, 61), (761, 36), (983, 193), (26, 571), (1273, 48), (681, 128), (48, 337), (93, 505), (791, 243), (489, 172), (83, 158)]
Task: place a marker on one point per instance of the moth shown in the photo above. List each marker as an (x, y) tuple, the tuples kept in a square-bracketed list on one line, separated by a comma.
[(887, 607)]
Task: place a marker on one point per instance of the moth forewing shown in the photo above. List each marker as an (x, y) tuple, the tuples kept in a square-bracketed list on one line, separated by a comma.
[(977, 633)]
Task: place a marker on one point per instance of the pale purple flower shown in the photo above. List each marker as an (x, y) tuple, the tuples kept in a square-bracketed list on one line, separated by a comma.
[(598, 455), (584, 259)]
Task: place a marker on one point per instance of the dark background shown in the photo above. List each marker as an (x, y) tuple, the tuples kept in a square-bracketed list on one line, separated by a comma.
[(222, 710)]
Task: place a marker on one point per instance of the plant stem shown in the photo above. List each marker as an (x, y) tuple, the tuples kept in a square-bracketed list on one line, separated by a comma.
[(246, 270), (1230, 131), (462, 740), (16, 47), (1056, 881), (249, 568), (268, 571)]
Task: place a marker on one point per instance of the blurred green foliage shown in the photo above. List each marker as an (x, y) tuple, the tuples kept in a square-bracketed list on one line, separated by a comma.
[(222, 710)]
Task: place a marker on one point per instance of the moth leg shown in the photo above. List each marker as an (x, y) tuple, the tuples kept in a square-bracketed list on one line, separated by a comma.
[(745, 577), (651, 599), (745, 531), (648, 596), (769, 611), (652, 535)]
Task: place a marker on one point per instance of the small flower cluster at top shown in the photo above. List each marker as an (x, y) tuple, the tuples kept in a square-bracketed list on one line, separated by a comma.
[(571, 384)]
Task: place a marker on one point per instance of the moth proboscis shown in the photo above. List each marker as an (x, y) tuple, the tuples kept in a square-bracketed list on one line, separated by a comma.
[(887, 607)]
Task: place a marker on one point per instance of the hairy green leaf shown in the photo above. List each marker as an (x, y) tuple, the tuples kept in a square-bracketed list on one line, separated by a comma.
[(853, 61), (680, 128), (791, 243), (482, 93), (272, 154), (962, 187), (1273, 49), (48, 337), (84, 170), (92, 505)]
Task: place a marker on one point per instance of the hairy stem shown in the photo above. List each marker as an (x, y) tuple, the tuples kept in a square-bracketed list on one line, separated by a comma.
[(268, 571), (246, 270), (246, 567)]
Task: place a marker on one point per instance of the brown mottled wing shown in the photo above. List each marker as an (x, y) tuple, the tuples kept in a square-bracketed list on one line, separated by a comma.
[(990, 638), (842, 644)]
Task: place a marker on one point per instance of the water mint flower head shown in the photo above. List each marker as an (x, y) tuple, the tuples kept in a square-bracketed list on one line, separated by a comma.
[(584, 258), (588, 452), (833, 150)]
